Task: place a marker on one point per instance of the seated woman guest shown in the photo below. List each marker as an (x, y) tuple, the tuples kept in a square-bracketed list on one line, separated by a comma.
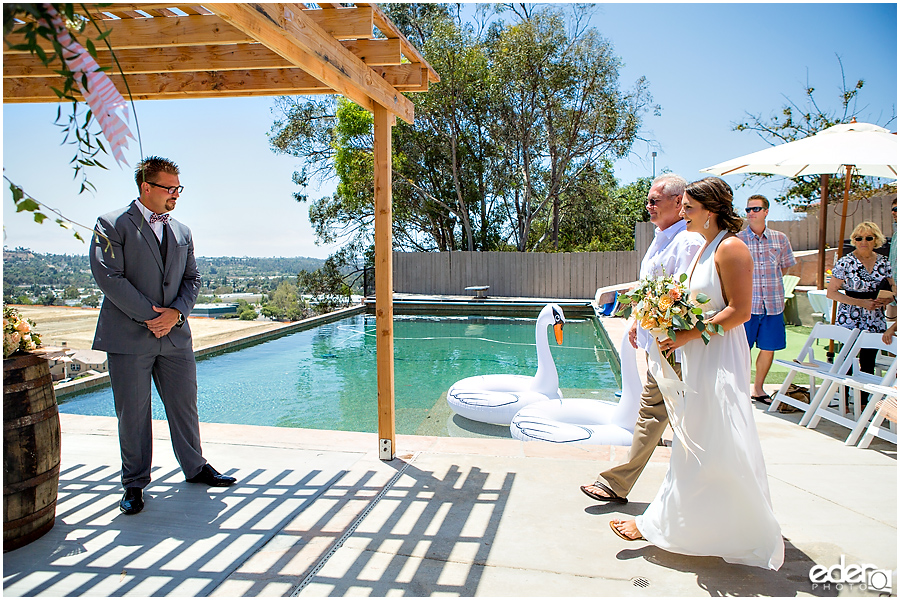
[(856, 280)]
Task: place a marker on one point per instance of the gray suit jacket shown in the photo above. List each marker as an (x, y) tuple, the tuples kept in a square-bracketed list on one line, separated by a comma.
[(133, 279)]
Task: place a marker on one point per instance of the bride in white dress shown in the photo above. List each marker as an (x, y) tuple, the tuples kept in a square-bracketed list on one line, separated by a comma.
[(715, 497)]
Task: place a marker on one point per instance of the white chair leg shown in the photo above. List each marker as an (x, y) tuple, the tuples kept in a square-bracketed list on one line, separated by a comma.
[(863, 421), (773, 407), (872, 430), (809, 418)]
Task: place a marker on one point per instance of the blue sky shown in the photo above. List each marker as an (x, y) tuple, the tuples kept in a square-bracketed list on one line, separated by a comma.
[(706, 65)]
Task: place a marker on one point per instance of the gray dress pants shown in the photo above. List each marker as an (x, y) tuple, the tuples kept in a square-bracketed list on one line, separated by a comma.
[(174, 373)]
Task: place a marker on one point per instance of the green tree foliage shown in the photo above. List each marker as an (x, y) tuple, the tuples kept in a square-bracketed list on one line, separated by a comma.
[(799, 119), (601, 216), (522, 125), (561, 111), (92, 300), (284, 303), (325, 285)]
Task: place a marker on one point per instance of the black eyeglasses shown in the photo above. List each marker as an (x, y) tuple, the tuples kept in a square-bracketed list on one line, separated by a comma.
[(868, 238), (653, 201), (753, 209), (175, 189)]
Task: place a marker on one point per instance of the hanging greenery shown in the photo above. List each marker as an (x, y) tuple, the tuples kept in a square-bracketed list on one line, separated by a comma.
[(30, 28)]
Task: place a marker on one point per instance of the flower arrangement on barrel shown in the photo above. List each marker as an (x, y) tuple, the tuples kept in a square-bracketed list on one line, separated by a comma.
[(18, 333), (663, 305)]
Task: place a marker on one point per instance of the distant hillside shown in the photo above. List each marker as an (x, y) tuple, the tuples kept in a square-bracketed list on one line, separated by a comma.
[(233, 266), (36, 274)]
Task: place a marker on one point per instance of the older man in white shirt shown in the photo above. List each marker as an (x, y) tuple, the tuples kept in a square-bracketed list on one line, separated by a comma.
[(671, 252)]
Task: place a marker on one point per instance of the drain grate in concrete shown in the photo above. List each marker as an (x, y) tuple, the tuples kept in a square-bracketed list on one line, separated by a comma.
[(641, 582)]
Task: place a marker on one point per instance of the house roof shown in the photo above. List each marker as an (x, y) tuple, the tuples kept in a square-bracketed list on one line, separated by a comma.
[(242, 49)]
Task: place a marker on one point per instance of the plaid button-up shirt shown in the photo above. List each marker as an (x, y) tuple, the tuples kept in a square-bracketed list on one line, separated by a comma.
[(771, 254)]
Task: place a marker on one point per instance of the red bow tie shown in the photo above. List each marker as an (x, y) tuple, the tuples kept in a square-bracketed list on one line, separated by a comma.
[(155, 217)]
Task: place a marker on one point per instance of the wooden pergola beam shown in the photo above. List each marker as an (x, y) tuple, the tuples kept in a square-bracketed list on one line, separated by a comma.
[(387, 27), (225, 57), (156, 86), (285, 29), (345, 23), (197, 30)]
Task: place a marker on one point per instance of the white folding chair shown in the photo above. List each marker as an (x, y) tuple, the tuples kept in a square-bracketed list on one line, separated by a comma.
[(820, 304), (807, 364), (886, 411), (844, 415), (878, 409)]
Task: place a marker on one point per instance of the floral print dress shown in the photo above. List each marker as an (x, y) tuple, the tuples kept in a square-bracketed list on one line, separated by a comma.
[(856, 278)]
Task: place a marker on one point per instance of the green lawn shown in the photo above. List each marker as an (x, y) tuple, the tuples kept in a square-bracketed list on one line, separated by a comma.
[(796, 336)]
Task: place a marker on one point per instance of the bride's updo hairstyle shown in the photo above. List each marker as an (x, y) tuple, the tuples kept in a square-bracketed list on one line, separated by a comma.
[(715, 196)]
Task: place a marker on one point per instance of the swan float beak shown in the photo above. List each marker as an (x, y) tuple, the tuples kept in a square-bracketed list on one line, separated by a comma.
[(558, 321)]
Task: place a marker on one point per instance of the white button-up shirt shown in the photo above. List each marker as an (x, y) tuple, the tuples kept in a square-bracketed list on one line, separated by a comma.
[(157, 227), (670, 253)]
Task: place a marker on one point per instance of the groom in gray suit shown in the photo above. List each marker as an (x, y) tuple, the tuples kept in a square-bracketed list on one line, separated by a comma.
[(143, 261)]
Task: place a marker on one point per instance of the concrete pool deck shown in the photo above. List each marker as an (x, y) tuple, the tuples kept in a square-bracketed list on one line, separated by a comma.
[(315, 513)]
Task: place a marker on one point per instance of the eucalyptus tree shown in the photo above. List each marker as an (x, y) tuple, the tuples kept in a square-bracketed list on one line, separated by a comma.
[(450, 169), (561, 109), (444, 184), (521, 113)]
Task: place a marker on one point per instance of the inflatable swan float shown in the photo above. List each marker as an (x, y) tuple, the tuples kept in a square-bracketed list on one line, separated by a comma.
[(497, 398), (583, 420)]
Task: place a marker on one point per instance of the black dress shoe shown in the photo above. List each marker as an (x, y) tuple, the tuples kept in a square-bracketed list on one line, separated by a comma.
[(211, 477), (132, 502)]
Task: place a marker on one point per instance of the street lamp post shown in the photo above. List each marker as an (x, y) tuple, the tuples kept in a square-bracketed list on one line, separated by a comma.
[(653, 154)]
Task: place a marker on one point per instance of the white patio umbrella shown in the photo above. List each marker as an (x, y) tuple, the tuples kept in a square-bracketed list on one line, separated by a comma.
[(860, 148), (869, 149)]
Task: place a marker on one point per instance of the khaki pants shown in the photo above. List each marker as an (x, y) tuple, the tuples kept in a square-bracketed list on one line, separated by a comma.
[(651, 423)]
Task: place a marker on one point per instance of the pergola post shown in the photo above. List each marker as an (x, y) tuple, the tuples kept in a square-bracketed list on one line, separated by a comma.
[(384, 284)]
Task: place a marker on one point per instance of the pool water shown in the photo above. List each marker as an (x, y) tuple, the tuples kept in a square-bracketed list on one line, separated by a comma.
[(325, 378)]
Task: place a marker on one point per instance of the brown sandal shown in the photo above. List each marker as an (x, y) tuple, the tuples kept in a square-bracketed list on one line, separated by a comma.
[(612, 525)]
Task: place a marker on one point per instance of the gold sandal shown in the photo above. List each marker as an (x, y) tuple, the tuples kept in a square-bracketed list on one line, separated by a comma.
[(612, 525)]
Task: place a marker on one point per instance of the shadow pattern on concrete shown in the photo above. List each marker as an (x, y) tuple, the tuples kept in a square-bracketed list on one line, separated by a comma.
[(428, 534), (187, 540)]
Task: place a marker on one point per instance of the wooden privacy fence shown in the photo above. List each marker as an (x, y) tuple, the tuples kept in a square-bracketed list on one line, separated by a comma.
[(573, 275), (804, 233), (578, 274)]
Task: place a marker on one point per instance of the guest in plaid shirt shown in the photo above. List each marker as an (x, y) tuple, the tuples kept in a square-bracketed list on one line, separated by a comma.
[(772, 254)]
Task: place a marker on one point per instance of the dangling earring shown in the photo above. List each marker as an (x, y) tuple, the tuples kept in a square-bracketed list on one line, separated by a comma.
[(706, 225)]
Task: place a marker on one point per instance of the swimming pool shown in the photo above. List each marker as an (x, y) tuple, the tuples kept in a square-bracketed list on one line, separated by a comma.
[(325, 378)]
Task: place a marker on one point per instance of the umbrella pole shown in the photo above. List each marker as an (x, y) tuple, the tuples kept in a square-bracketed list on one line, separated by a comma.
[(823, 230), (840, 248)]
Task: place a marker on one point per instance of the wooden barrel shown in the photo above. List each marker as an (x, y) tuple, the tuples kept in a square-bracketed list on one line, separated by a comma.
[(31, 450)]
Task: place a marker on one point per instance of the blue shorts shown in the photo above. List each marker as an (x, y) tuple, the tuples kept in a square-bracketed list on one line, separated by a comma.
[(766, 331)]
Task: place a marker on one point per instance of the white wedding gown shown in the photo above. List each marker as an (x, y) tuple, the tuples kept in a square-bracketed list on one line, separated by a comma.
[(715, 498)]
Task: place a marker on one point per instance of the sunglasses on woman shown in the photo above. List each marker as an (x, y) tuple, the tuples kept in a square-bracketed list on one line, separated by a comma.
[(868, 238)]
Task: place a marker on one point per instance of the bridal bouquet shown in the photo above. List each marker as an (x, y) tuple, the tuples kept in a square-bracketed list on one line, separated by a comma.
[(663, 305), (18, 333)]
